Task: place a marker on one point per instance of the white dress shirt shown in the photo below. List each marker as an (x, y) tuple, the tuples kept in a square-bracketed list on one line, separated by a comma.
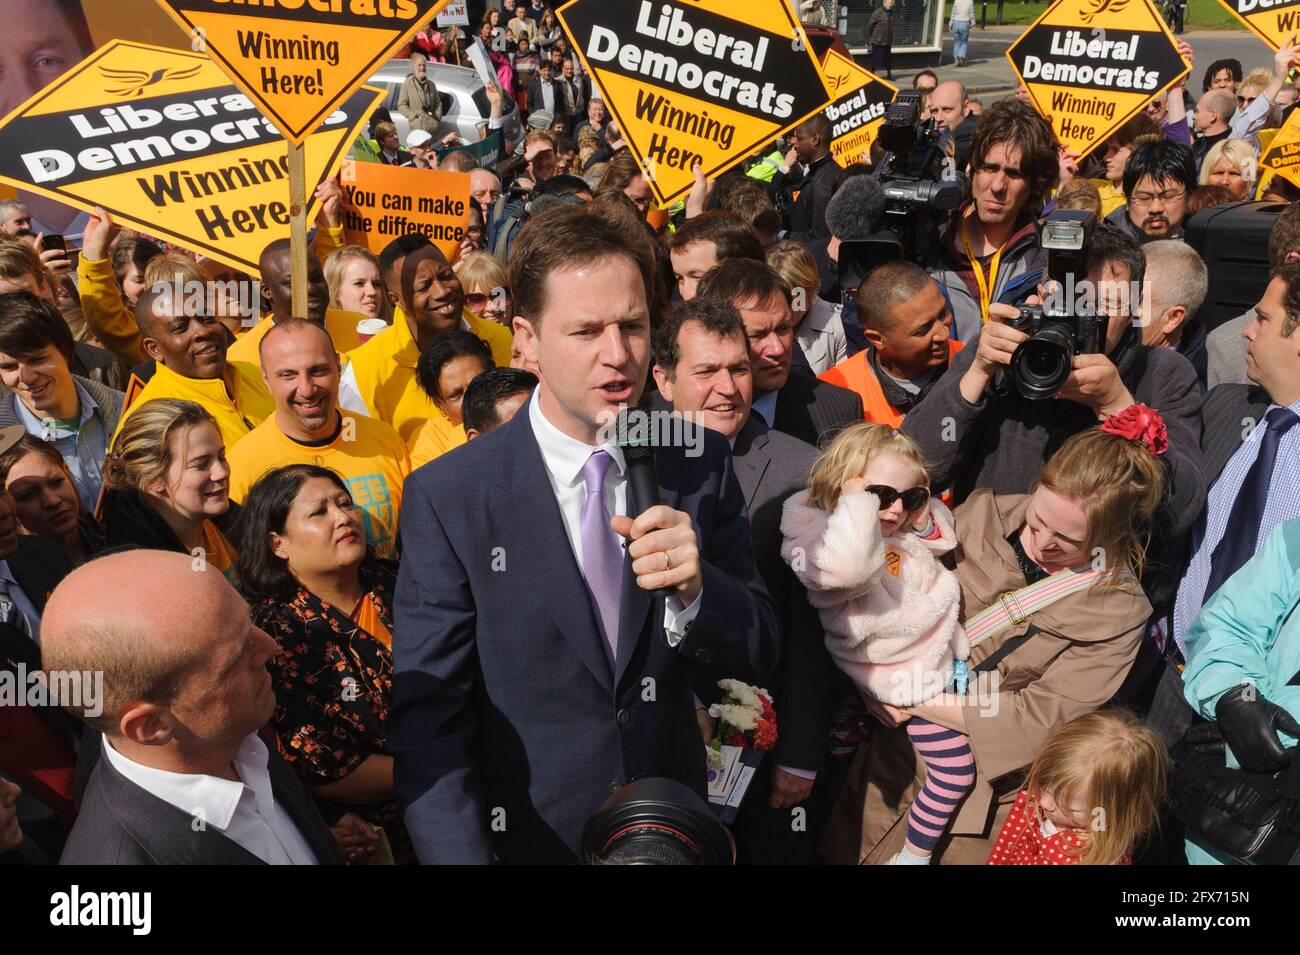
[(564, 458), (244, 812)]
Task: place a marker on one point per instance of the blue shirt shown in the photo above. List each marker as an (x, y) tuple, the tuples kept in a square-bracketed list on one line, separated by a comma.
[(1283, 505), (83, 449)]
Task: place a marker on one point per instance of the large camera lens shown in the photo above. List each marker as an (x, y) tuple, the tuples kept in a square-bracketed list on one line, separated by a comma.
[(656, 821), (1040, 365)]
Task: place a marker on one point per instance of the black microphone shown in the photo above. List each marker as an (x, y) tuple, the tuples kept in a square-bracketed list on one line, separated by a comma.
[(637, 444)]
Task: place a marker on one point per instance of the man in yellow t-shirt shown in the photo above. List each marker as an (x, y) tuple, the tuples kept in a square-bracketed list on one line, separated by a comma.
[(380, 378), (276, 268), (189, 347), (301, 369)]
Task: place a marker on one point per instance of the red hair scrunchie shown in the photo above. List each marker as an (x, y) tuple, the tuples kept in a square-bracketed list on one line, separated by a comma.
[(1139, 423)]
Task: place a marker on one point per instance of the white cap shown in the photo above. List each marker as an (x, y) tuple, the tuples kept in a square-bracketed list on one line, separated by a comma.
[(418, 138)]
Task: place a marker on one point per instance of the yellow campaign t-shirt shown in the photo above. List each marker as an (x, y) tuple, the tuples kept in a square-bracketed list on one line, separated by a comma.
[(384, 371), (434, 439), (341, 325), (236, 417), (367, 454)]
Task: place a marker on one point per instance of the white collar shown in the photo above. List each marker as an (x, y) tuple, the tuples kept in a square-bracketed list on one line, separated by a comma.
[(564, 457), (208, 797)]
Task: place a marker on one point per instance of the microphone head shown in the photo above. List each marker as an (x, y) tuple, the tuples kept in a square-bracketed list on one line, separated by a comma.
[(856, 209)]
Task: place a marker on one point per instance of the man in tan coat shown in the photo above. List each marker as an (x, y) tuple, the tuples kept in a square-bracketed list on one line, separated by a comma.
[(419, 101)]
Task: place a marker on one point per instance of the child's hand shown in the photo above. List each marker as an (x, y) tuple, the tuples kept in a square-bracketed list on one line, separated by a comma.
[(857, 484)]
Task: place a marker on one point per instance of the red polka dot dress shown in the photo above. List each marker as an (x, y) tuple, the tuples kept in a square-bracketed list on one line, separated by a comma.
[(1027, 838)]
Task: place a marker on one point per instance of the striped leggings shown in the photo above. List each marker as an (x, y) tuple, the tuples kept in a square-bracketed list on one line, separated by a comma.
[(950, 775)]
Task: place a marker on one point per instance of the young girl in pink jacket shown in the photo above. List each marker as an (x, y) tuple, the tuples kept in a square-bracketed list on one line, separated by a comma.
[(865, 539)]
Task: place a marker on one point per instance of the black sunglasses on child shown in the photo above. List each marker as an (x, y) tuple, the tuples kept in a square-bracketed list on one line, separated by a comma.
[(914, 498)]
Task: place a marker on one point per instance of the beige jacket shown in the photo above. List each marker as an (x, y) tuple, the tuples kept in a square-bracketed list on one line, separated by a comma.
[(1079, 655)]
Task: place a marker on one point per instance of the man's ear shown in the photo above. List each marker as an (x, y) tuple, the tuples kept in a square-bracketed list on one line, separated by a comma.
[(1172, 320), (874, 339), (145, 724), (268, 304), (526, 335), (664, 382), (151, 349)]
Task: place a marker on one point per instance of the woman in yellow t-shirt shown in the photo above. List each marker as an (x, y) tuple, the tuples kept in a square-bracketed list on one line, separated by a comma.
[(167, 484)]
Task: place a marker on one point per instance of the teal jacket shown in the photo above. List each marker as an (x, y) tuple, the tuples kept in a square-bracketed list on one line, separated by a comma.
[(1248, 632)]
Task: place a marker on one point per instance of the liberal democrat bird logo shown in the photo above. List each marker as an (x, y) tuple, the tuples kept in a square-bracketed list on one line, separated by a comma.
[(135, 82), (1095, 7)]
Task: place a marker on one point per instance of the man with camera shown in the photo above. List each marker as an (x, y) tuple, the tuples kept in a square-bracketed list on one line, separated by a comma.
[(1012, 396), (989, 252)]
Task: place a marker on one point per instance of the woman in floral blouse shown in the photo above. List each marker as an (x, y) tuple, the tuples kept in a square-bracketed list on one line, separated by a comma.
[(314, 587)]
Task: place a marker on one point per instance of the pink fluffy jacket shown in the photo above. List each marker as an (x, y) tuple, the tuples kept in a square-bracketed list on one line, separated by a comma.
[(896, 637)]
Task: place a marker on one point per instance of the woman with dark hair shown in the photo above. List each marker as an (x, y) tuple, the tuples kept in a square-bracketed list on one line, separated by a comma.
[(445, 369), (314, 587), (46, 499)]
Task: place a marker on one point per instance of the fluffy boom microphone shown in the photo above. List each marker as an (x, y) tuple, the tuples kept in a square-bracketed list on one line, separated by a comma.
[(856, 209)]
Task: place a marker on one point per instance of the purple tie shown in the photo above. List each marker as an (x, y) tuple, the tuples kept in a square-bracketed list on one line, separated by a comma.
[(602, 556)]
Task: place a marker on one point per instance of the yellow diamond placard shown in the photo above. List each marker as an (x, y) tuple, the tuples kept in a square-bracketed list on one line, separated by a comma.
[(298, 59), (1283, 153), (858, 108), (696, 81), (1273, 21), (174, 150), (1090, 65)]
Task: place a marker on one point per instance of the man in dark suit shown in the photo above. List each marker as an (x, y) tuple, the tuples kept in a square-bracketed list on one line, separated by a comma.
[(544, 93), (789, 400), (182, 775), (702, 369), (38, 744), (1251, 455), (535, 669), (575, 91)]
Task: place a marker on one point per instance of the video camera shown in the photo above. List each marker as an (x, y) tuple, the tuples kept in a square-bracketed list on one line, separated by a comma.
[(919, 192), (1057, 330)]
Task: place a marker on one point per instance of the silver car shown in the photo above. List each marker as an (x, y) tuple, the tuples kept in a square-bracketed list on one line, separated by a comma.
[(465, 105)]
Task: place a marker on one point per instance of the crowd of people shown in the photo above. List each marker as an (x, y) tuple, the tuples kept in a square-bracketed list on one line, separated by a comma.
[(378, 583)]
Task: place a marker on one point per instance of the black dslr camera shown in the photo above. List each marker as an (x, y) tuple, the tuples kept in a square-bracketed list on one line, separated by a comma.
[(1058, 330)]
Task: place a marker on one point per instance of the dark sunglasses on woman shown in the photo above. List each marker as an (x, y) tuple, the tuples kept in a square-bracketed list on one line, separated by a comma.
[(914, 498)]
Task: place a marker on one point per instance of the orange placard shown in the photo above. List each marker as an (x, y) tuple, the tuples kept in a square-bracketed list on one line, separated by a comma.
[(382, 202)]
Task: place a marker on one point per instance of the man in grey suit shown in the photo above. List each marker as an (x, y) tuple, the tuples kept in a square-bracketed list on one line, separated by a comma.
[(183, 776), (1225, 346), (702, 368)]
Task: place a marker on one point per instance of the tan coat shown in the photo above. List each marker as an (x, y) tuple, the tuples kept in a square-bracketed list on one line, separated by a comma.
[(1082, 650), (420, 104)]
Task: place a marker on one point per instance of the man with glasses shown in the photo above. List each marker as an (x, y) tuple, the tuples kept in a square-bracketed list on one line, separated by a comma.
[(1157, 179)]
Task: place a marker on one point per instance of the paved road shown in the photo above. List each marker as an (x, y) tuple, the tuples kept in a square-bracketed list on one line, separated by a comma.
[(989, 72)]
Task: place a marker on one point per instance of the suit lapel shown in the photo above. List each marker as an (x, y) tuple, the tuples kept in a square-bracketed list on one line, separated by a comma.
[(550, 565), (167, 834), (749, 460)]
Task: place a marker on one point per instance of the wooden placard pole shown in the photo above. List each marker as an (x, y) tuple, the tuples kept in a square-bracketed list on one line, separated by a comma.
[(298, 228)]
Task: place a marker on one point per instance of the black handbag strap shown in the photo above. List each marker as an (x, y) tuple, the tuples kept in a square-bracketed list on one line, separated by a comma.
[(1001, 653)]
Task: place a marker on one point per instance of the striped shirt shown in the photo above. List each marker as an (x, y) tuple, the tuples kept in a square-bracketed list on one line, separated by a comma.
[(1283, 505)]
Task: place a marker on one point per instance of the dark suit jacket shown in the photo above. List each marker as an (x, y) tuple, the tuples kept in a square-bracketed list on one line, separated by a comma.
[(814, 411), (771, 466), (39, 564), (535, 101), (122, 824), (508, 728), (1226, 408)]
